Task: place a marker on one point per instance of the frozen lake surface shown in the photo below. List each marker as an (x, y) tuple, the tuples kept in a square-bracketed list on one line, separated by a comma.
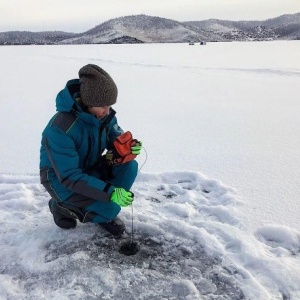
[(220, 124), (228, 110)]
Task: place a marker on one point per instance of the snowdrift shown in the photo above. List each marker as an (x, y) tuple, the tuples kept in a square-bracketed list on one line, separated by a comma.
[(193, 245)]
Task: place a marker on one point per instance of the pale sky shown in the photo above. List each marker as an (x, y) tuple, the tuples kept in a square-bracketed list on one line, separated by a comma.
[(82, 15)]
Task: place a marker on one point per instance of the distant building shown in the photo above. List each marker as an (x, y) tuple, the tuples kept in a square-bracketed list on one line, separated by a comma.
[(202, 43)]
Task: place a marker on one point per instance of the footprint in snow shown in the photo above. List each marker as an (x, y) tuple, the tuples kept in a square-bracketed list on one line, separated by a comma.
[(279, 238)]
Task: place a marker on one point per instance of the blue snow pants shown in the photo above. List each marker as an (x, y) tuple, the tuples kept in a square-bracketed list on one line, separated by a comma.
[(97, 211)]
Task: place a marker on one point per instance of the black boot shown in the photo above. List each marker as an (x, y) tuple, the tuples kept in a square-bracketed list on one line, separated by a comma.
[(63, 218), (115, 227)]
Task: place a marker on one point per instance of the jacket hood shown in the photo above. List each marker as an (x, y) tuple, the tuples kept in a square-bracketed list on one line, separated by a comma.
[(65, 100)]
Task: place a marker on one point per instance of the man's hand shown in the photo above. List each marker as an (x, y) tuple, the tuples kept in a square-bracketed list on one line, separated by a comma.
[(122, 197), (136, 148)]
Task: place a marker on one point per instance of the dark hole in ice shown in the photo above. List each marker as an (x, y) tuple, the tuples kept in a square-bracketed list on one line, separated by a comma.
[(129, 248)]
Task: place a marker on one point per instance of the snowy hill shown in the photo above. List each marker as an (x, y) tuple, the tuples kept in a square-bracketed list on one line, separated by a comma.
[(29, 38), (148, 29), (141, 27), (286, 26), (282, 27)]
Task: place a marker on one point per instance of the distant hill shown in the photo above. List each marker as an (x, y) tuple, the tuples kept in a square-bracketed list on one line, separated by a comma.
[(148, 29), (29, 38), (143, 28), (285, 27)]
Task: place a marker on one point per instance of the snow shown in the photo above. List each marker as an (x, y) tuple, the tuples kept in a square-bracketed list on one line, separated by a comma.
[(217, 206)]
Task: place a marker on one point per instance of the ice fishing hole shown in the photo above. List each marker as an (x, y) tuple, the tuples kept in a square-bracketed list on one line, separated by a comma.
[(129, 248)]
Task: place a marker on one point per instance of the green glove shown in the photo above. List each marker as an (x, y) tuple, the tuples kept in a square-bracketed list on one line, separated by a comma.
[(136, 148), (121, 197)]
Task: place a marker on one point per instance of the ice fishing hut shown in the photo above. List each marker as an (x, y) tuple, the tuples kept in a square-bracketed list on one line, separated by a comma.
[(202, 43)]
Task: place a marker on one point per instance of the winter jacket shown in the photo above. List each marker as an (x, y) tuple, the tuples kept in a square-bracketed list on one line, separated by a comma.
[(72, 143)]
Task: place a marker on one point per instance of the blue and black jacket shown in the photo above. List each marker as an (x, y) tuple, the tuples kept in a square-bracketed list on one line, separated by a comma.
[(72, 143)]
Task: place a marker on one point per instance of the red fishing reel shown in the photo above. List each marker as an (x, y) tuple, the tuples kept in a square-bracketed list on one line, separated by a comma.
[(122, 152)]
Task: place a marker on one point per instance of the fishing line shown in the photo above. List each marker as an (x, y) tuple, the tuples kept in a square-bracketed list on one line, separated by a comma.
[(132, 204), (144, 160), (130, 247)]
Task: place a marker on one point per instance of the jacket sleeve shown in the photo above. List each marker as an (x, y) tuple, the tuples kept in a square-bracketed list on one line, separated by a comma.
[(64, 159)]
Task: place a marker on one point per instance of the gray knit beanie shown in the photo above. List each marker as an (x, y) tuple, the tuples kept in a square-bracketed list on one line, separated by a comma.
[(97, 88)]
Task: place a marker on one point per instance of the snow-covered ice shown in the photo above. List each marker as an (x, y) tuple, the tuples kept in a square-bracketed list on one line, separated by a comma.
[(217, 201)]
